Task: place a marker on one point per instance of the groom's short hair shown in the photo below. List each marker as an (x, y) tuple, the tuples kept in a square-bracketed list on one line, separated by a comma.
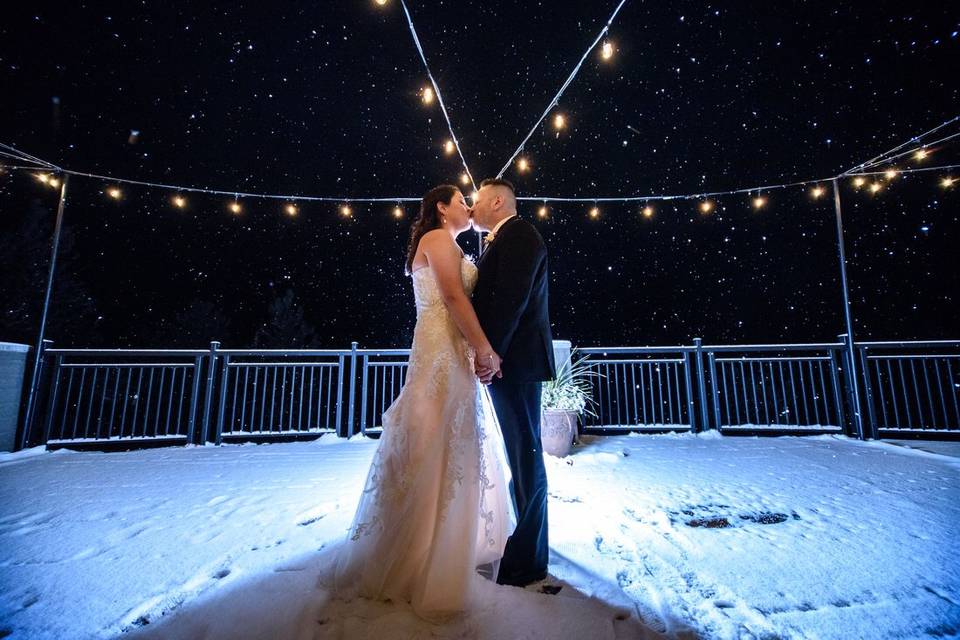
[(498, 182)]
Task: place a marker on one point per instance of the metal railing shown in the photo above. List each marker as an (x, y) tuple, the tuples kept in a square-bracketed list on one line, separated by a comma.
[(208, 395), (909, 391)]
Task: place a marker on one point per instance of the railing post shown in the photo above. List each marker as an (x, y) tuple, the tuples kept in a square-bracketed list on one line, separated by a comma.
[(363, 396), (52, 404), (218, 436), (702, 385), (851, 384), (714, 391), (836, 382), (208, 394), (36, 379), (194, 397), (353, 389), (691, 407), (870, 429), (341, 429)]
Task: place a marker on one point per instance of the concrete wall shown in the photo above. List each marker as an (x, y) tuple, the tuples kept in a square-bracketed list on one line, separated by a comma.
[(13, 365)]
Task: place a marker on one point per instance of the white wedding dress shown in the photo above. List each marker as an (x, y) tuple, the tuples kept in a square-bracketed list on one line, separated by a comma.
[(436, 503)]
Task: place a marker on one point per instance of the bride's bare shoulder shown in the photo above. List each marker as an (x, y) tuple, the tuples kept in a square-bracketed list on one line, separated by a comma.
[(436, 237)]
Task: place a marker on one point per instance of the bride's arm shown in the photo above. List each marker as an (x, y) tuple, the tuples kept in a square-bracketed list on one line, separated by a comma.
[(444, 258)]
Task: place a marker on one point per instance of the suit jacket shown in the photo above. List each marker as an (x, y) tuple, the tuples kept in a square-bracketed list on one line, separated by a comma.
[(510, 299)]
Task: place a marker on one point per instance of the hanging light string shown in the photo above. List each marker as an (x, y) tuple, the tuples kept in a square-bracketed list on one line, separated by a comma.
[(945, 167), (9, 151), (553, 103), (436, 90), (913, 140), (913, 150)]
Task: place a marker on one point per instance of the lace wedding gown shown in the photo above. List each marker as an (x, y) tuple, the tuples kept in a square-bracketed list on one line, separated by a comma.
[(436, 502)]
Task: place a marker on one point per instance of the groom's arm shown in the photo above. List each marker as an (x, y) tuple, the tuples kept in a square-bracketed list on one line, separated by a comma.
[(520, 257)]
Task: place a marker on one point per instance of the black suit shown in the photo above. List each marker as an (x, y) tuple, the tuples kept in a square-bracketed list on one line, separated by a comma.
[(510, 299)]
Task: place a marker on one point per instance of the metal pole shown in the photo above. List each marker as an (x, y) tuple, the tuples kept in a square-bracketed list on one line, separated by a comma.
[(34, 376), (848, 319)]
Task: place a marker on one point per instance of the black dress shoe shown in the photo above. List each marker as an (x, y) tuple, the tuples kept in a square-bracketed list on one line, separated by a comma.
[(521, 580)]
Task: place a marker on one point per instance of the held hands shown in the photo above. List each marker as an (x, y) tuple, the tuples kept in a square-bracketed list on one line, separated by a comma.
[(487, 365)]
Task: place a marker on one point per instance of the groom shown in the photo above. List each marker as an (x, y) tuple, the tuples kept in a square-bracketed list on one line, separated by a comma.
[(510, 299)]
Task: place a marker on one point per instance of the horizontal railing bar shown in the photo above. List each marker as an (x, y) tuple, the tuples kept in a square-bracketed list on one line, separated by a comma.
[(128, 352), (171, 436), (386, 363), (912, 357), (637, 361), (774, 347), (910, 343), (283, 364), (282, 352), (111, 365), (679, 348), (382, 352), (776, 359)]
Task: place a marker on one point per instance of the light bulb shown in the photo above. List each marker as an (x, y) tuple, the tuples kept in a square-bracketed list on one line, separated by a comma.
[(648, 211), (381, 3), (921, 154), (44, 178), (53, 182), (114, 192), (179, 202), (595, 213), (428, 95), (448, 147), (947, 182), (706, 206), (606, 51), (523, 165), (859, 181), (559, 121), (890, 174), (759, 202), (398, 212), (346, 211), (875, 187), (817, 192), (543, 211), (235, 207), (464, 178), (291, 209)]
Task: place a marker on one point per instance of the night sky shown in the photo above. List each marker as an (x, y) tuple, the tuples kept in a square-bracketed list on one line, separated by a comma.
[(322, 98)]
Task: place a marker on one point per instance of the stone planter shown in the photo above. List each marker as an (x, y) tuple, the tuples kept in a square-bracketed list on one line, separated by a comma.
[(557, 430)]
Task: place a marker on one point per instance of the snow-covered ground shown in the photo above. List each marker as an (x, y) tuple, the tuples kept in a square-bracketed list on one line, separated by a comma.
[(796, 537)]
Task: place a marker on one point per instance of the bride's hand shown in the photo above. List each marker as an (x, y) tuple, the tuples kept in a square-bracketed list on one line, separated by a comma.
[(488, 365)]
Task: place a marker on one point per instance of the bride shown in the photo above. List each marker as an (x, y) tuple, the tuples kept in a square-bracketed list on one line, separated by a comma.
[(436, 505)]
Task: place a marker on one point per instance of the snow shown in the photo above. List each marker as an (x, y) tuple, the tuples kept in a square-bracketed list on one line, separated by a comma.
[(826, 537)]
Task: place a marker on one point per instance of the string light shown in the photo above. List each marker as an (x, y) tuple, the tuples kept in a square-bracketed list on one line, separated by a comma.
[(523, 165), (44, 178), (859, 181), (114, 192), (875, 187), (179, 201), (427, 95), (921, 154), (759, 202), (706, 207), (946, 183), (890, 174), (448, 147), (594, 213), (53, 182), (606, 50), (398, 212), (647, 211), (291, 209), (346, 211), (235, 207), (381, 3), (464, 179), (543, 212), (559, 122), (817, 192)]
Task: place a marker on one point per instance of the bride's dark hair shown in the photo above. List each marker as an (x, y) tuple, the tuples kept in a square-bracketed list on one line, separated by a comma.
[(429, 218)]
